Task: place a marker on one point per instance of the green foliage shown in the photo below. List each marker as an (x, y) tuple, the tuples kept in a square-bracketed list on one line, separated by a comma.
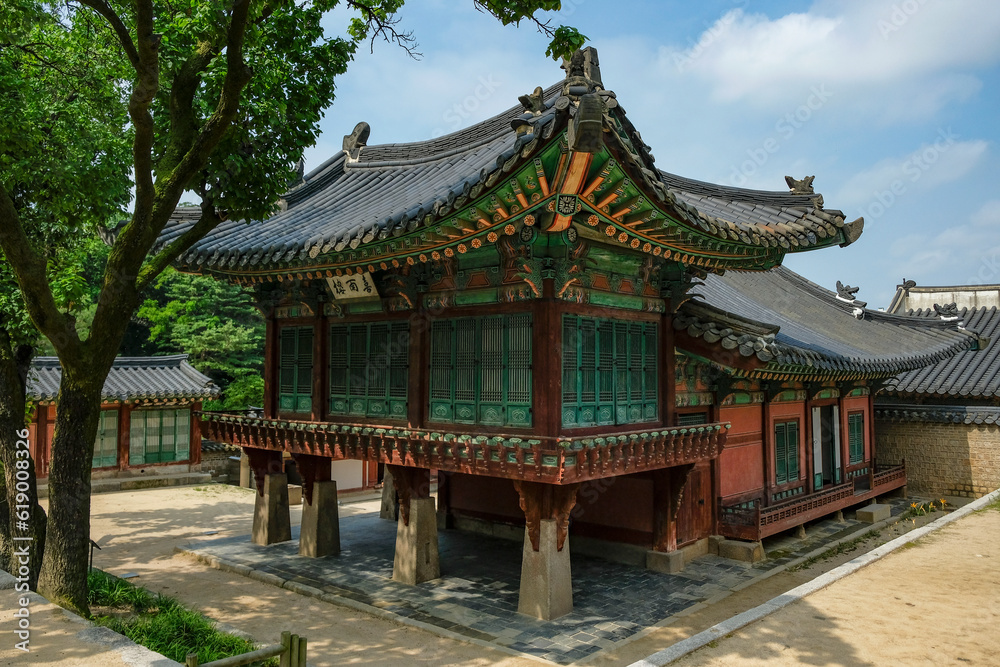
[(565, 40), (213, 322), (64, 138), (161, 623)]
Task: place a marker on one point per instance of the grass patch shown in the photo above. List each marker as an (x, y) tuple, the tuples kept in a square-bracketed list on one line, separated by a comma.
[(161, 623), (842, 548)]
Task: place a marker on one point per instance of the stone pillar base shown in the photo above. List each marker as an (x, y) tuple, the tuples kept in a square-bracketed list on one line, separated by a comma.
[(800, 531), (271, 522), (747, 552), (546, 580), (320, 532), (417, 558), (668, 562)]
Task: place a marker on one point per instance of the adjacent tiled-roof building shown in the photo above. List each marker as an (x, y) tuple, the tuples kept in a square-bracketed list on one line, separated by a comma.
[(945, 418), (146, 428)]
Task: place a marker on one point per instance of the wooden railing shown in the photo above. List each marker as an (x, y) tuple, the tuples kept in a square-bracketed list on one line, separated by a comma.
[(756, 523), (559, 460), (291, 650)]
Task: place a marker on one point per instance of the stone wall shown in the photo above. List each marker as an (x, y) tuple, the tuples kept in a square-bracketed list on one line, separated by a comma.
[(943, 459)]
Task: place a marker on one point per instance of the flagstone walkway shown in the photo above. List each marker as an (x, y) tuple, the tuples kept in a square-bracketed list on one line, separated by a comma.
[(476, 597)]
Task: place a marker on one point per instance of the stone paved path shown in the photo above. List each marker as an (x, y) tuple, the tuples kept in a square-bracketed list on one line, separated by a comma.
[(477, 594)]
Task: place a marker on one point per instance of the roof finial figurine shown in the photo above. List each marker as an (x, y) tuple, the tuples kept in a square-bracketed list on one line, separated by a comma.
[(947, 312), (356, 140), (533, 102), (803, 187), (846, 292), (907, 285)]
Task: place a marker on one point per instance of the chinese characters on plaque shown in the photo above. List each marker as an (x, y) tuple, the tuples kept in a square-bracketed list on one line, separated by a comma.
[(357, 286)]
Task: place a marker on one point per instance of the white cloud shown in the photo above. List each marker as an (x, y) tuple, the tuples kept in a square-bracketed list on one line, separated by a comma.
[(963, 254), (880, 48), (877, 188)]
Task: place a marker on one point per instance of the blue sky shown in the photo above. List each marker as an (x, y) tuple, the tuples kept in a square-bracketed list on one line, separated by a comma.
[(892, 104)]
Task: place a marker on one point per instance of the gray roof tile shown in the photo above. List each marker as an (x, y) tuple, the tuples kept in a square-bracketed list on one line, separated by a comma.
[(816, 329), (130, 379)]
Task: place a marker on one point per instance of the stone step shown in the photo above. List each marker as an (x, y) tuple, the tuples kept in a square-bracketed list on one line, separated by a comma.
[(109, 484)]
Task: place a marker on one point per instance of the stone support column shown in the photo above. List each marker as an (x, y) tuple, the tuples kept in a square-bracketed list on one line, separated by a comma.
[(416, 559), (546, 589), (389, 508), (271, 521), (319, 533)]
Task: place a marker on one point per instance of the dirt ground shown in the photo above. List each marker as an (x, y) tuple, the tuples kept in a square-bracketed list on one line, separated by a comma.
[(934, 602), (137, 532)]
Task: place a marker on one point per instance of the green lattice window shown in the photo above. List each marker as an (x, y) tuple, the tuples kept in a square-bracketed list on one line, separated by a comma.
[(159, 436), (369, 369), (481, 370), (856, 437), (786, 452), (295, 370), (609, 371), (106, 447)]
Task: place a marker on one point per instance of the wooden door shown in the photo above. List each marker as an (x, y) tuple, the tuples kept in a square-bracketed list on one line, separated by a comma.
[(694, 518)]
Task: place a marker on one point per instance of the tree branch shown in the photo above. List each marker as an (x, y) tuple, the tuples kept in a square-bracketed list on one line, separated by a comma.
[(29, 271), (207, 222), (386, 28), (124, 38)]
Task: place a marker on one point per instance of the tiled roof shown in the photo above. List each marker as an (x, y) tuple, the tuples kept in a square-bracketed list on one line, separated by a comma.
[(968, 374), (130, 379), (938, 414), (368, 194), (797, 326)]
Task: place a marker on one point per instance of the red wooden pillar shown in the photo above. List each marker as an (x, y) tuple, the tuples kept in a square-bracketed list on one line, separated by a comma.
[(263, 462), (270, 365), (668, 371), (417, 401), (124, 434), (321, 366), (807, 437), (312, 469), (411, 484), (195, 448), (767, 442), (546, 363)]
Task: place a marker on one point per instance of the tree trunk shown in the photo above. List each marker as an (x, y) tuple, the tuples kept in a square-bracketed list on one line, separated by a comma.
[(22, 519), (63, 577)]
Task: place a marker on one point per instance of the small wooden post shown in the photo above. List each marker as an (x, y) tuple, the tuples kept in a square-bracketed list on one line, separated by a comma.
[(286, 641), (293, 651), (302, 652), (192, 660)]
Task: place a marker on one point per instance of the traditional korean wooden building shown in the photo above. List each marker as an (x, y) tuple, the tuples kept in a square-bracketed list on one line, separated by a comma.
[(146, 426), (514, 305)]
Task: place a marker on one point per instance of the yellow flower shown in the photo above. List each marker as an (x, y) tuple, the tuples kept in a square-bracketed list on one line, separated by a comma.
[(943, 503), (913, 506), (931, 506)]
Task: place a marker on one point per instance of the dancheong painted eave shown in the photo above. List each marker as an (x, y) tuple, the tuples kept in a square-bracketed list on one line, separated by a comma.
[(566, 156)]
